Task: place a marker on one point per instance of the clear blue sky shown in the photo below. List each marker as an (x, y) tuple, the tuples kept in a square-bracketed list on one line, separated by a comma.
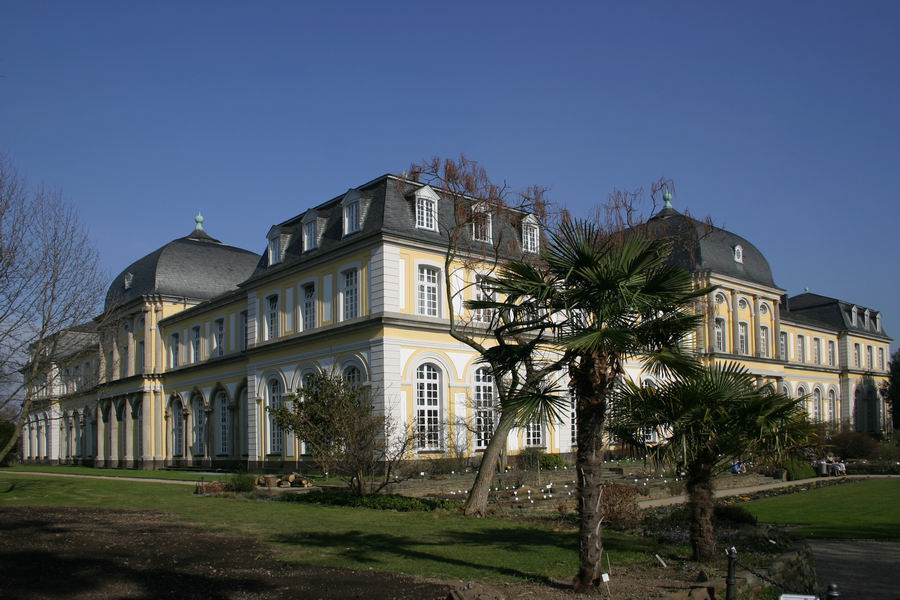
[(780, 120)]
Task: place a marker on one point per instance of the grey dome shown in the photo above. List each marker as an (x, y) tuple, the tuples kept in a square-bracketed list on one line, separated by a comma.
[(703, 247), (196, 266)]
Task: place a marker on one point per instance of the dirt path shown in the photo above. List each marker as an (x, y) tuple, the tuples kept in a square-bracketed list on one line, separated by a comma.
[(863, 570), (92, 554)]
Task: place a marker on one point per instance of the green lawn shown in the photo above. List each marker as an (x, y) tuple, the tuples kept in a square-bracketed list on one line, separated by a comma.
[(438, 544), (863, 510), (75, 470)]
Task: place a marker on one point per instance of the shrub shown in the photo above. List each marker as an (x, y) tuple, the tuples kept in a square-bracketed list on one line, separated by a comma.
[(619, 506), (549, 462), (853, 444), (241, 482), (531, 458), (732, 513), (374, 501), (798, 468)]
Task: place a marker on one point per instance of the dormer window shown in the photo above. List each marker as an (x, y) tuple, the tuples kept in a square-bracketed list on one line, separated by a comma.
[(738, 254), (481, 225), (351, 217), (309, 236), (275, 250), (530, 235), (853, 315), (426, 209), (868, 321)]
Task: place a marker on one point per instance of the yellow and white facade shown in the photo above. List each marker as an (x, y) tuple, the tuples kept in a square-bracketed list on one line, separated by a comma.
[(200, 340)]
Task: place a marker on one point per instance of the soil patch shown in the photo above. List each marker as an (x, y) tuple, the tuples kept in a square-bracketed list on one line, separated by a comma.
[(87, 554)]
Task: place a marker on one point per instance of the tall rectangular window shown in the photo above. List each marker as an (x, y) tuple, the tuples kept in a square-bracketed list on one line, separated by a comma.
[(123, 360), (275, 250), (242, 333), (742, 338), (534, 433), (764, 341), (817, 351), (530, 237), (350, 294), (483, 292), (428, 404), (195, 344), (428, 291), (426, 217), (830, 353), (309, 236), (173, 350), (720, 335), (783, 345), (272, 317), (309, 307), (141, 349), (481, 225), (351, 218), (219, 337), (801, 349), (857, 359), (484, 407), (881, 359), (869, 361)]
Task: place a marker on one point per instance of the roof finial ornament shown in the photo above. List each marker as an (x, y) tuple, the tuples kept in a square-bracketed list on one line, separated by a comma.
[(199, 222), (667, 198)]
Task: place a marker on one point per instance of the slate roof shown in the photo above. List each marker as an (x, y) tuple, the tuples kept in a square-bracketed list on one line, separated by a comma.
[(701, 247), (391, 210), (833, 313), (196, 266)]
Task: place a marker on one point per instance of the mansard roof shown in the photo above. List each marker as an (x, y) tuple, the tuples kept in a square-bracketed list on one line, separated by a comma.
[(835, 314)]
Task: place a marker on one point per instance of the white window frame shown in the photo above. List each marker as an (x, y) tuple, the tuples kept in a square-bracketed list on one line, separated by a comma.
[(881, 359), (174, 342), (350, 294), (428, 293), (534, 434), (738, 254), (310, 233), (272, 317), (483, 292), (275, 250), (274, 400), (308, 306), (426, 204), (801, 348), (764, 341), (784, 346), (743, 338), (720, 337), (177, 428), (857, 356), (199, 427), (223, 424), (428, 405), (485, 406), (817, 351), (351, 218), (830, 353), (218, 337), (817, 405), (531, 235), (196, 336), (481, 220), (832, 406), (870, 358)]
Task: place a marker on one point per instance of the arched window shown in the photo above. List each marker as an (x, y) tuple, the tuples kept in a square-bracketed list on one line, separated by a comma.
[(353, 375), (801, 391), (484, 407), (720, 299), (738, 254), (785, 390), (428, 406), (199, 426), (223, 423), (275, 392), (832, 406), (763, 309), (177, 428), (720, 335), (742, 304), (817, 405)]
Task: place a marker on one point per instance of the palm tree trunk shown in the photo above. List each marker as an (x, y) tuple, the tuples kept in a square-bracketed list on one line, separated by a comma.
[(476, 503), (700, 506), (588, 465)]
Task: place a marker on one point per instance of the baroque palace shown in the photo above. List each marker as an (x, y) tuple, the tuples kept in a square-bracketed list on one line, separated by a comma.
[(199, 339)]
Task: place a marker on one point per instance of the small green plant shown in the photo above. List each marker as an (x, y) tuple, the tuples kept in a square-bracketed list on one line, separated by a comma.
[(531, 458), (797, 468), (241, 482), (373, 501), (732, 513), (550, 462)]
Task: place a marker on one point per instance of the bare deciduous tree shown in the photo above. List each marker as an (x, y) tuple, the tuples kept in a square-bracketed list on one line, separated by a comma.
[(50, 281)]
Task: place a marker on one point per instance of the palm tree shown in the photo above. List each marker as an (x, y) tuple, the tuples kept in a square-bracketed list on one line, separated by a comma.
[(704, 421), (607, 298)]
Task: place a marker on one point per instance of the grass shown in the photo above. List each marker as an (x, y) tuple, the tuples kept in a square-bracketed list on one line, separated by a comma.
[(435, 544), (76, 470), (864, 510)]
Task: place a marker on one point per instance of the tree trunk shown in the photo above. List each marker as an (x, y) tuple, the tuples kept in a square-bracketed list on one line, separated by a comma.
[(476, 503), (700, 506), (591, 382)]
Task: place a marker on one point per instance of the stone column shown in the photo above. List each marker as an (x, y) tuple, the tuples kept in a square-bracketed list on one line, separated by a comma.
[(129, 343), (113, 461), (757, 350), (776, 343), (100, 458), (129, 420), (735, 348), (146, 400)]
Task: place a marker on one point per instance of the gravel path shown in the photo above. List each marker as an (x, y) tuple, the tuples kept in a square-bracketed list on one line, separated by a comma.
[(863, 570)]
